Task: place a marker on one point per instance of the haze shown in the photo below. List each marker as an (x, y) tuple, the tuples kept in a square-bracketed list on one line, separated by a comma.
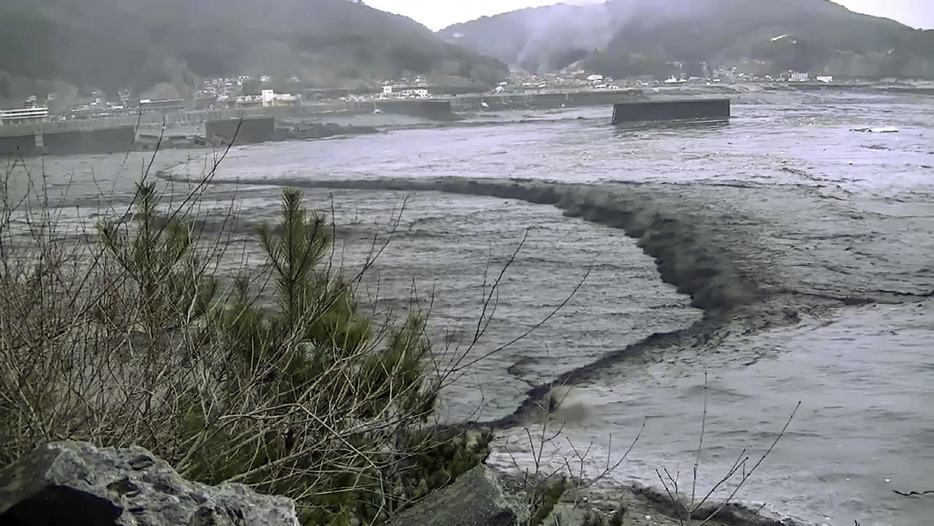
[(438, 15)]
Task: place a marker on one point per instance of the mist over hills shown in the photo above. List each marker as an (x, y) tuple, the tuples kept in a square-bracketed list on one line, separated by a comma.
[(137, 44), (539, 38), (642, 37)]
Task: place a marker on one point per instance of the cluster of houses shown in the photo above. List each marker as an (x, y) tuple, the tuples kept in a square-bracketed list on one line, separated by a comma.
[(242, 92), (213, 93), (566, 81), (245, 92), (797, 76), (265, 99)]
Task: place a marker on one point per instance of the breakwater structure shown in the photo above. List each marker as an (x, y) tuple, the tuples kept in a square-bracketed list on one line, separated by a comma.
[(433, 109), (105, 140), (229, 130), (238, 132), (551, 100), (671, 110), (26, 145), (258, 125)]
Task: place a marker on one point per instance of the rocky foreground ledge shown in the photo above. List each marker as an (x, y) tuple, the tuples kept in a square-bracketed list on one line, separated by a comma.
[(74, 483), (77, 484), (485, 497)]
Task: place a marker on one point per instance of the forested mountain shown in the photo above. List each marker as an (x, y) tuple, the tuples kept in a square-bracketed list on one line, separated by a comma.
[(116, 44), (636, 37)]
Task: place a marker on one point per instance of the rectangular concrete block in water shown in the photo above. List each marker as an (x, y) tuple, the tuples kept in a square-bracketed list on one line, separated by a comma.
[(241, 131), (426, 109), (671, 110)]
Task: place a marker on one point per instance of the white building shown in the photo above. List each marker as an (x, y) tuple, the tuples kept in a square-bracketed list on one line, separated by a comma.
[(21, 115), (415, 92), (248, 100), (271, 98), (405, 91), (797, 76)]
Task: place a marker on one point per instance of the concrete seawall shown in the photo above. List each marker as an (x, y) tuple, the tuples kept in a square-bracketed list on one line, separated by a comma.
[(514, 101), (19, 145), (426, 109), (259, 124), (670, 110), (246, 131), (106, 140), (155, 120), (438, 109)]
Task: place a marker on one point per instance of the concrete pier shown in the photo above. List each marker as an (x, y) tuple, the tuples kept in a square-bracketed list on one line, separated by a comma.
[(671, 110)]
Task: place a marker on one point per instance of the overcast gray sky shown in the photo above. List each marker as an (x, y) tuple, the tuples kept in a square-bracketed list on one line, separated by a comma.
[(442, 13)]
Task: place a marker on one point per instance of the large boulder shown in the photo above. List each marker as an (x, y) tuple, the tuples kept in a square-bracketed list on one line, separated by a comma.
[(74, 483), (476, 498)]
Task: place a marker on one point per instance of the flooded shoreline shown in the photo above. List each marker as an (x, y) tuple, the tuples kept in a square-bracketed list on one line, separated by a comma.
[(785, 255)]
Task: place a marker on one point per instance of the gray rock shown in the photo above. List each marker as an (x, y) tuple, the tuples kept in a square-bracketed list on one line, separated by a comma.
[(74, 483), (476, 498)]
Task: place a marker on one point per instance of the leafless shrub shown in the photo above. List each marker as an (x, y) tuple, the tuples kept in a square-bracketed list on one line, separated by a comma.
[(544, 484), (125, 332), (699, 508)]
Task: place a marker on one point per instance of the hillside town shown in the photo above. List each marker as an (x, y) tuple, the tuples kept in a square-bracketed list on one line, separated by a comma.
[(241, 92)]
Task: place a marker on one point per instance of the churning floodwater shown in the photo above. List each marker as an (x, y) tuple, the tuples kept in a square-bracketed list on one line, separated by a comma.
[(787, 255)]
